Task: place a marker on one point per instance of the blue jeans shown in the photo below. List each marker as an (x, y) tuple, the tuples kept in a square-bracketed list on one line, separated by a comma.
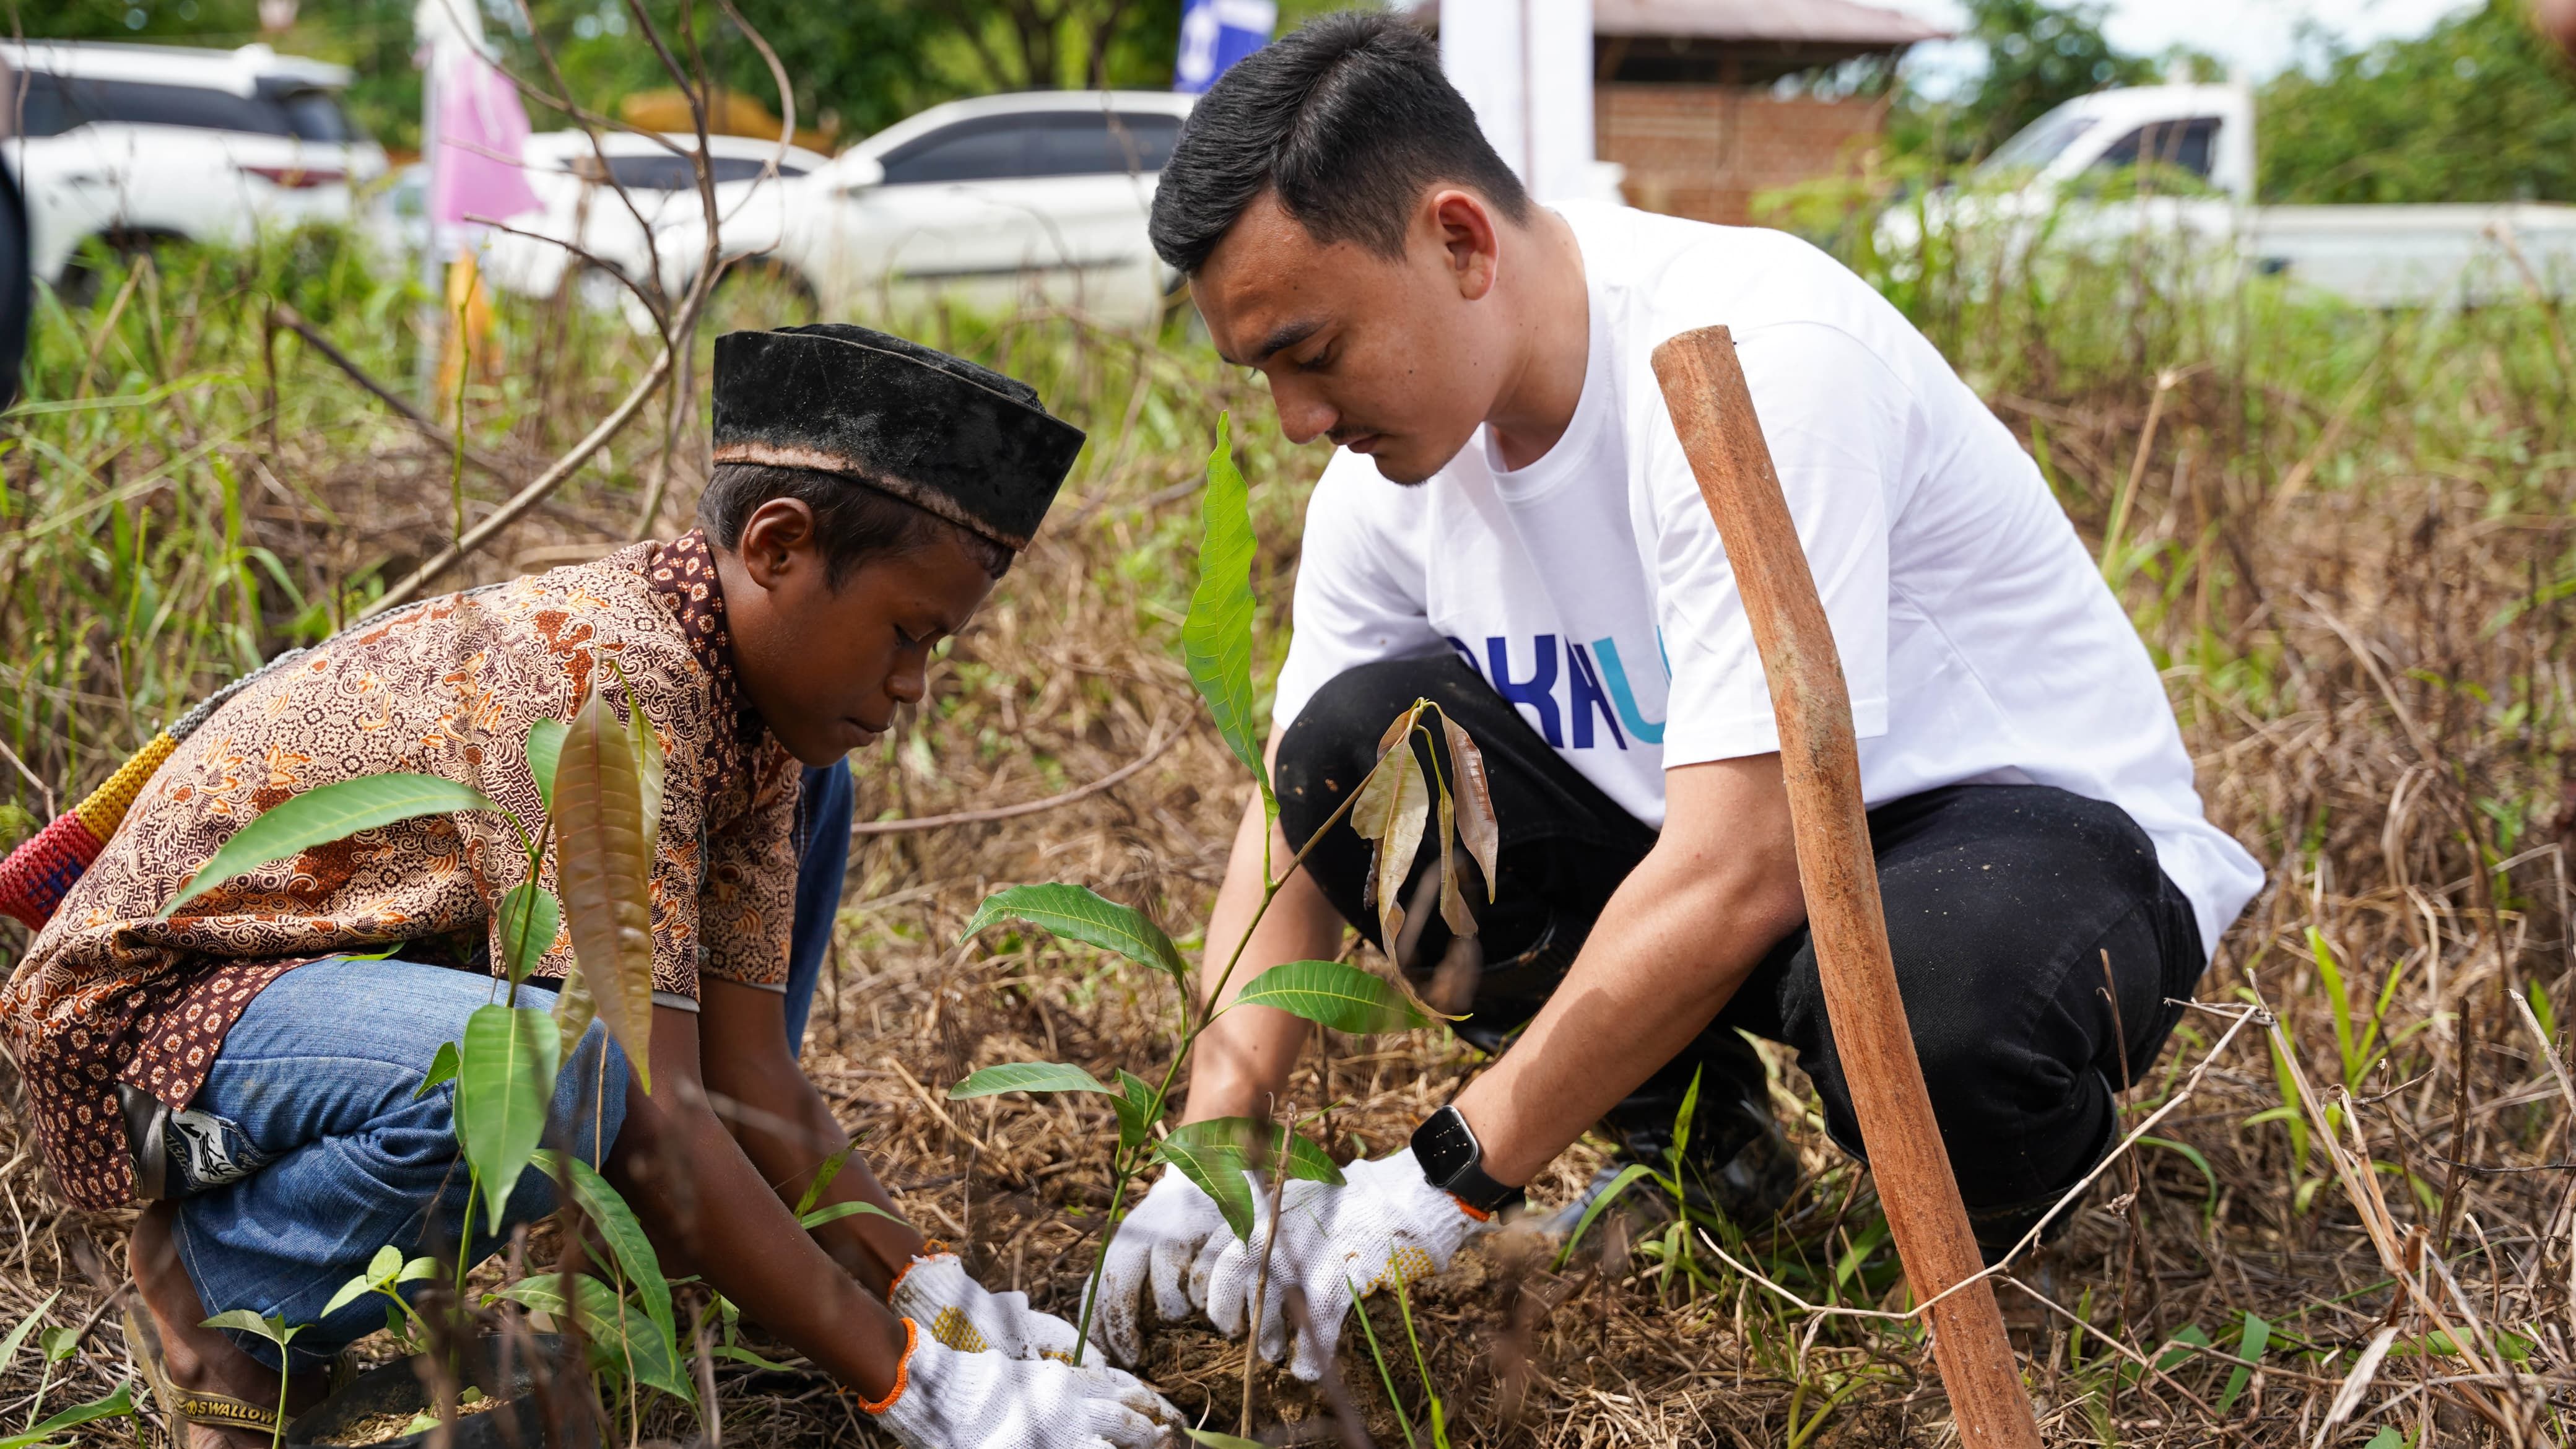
[(305, 1150), (310, 1150)]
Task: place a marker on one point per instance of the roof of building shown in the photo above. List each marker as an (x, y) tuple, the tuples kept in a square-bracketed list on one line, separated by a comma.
[(1837, 23)]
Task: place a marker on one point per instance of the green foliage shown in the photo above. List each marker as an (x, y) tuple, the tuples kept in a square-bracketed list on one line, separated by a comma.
[(2477, 109), (2250, 1344), (631, 1252), (325, 814), (1216, 640), (545, 749), (1215, 1154), (623, 1337), (1083, 915), (1026, 1077), (504, 1083), (1330, 993), (117, 1405), (2038, 55), (529, 918)]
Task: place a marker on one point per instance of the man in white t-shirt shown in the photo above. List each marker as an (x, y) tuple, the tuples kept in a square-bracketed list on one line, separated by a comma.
[(1510, 529)]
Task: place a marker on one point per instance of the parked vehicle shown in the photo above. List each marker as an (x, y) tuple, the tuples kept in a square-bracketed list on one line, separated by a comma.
[(993, 201), (129, 145), (2192, 149), (579, 204)]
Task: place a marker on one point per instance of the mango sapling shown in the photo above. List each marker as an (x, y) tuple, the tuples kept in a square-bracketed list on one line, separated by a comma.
[(1391, 809)]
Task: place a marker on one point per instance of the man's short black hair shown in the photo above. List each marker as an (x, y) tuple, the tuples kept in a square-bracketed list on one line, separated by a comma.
[(854, 524), (1348, 120)]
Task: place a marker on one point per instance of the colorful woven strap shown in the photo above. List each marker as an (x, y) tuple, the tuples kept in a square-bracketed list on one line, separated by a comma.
[(40, 872), (43, 869)]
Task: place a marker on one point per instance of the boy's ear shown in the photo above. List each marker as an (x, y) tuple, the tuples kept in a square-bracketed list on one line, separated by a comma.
[(778, 539)]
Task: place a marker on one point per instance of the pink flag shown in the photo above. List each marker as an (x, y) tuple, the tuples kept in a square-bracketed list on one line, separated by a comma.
[(476, 128)]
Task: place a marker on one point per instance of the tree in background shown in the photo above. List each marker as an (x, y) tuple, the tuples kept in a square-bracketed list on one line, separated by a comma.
[(2037, 55), (2480, 109)]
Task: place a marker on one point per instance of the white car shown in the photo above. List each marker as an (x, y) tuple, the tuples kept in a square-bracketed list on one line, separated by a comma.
[(135, 144), (999, 200), (578, 204)]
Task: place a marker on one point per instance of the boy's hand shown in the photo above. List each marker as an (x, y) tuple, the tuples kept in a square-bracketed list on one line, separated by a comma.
[(1158, 1243), (948, 1399), (936, 1293), (1339, 1244)]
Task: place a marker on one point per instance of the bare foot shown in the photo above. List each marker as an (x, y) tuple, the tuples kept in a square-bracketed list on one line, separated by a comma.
[(197, 1357)]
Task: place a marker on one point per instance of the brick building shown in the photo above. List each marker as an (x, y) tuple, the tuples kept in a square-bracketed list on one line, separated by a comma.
[(1687, 95)]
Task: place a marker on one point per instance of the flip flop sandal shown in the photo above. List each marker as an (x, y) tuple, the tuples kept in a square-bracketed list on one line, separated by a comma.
[(183, 1407)]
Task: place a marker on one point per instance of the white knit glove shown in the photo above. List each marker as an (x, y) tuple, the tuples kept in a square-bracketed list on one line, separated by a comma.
[(936, 1293), (1156, 1244), (953, 1400), (1332, 1241)]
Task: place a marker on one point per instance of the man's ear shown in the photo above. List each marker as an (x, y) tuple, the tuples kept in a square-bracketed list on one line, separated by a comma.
[(1464, 225), (778, 539)]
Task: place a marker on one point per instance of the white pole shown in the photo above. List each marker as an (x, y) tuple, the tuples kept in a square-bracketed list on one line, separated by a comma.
[(1526, 68)]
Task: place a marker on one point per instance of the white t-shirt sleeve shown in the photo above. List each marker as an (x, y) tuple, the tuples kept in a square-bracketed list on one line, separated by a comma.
[(1835, 418), (1353, 605)]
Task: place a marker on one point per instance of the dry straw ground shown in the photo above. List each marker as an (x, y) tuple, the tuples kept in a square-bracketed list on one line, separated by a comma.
[(2345, 535)]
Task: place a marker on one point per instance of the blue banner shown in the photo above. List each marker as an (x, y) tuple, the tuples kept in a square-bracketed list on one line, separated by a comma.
[(1217, 33)]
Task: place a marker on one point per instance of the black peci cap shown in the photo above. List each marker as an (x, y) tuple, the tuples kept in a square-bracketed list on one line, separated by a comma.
[(940, 433)]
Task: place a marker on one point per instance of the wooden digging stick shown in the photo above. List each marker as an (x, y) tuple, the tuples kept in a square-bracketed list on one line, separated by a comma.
[(1704, 390)]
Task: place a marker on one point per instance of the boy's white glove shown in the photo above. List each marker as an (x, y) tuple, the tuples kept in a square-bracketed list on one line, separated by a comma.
[(948, 1399), (936, 1293), (1334, 1240), (1156, 1246)]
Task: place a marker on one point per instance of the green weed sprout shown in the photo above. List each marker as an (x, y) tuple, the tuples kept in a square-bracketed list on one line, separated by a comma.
[(57, 1345), (1391, 808), (276, 1330)]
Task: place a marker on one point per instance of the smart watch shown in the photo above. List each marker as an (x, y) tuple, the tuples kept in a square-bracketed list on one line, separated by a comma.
[(1445, 1148)]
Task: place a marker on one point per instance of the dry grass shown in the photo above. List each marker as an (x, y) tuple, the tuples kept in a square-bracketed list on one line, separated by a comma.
[(2347, 538)]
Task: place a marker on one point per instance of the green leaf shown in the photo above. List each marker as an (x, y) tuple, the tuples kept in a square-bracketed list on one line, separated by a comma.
[(1215, 1440), (1134, 1102), (530, 915), (740, 1354), (823, 1176), (350, 1292), (839, 1210), (325, 814), (545, 747), (1216, 637), (1082, 915), (603, 873), (1308, 1162), (1627, 1178), (1026, 1077), (442, 1070), (58, 1344), (27, 1325), (617, 1227), (242, 1320), (505, 1081), (1214, 1154), (2249, 1345), (416, 1270), (574, 1011), (620, 1332), (2192, 1155), (1334, 994), (1391, 810), (2386, 1438), (115, 1405)]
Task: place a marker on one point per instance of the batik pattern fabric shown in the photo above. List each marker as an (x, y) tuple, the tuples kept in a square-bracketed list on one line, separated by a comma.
[(108, 993)]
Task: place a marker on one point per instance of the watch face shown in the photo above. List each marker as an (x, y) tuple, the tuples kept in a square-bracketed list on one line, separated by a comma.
[(1444, 1147)]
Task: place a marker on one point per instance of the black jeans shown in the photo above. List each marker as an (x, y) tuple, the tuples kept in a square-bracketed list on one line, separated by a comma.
[(2002, 902)]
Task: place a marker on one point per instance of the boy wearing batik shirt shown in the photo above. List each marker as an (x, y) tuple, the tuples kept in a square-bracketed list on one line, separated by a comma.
[(251, 1066)]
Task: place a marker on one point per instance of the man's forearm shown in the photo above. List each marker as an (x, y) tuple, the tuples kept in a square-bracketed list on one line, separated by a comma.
[(1249, 1052), (1669, 951)]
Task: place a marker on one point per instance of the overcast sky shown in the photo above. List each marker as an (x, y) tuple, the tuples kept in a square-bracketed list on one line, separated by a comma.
[(2260, 35)]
